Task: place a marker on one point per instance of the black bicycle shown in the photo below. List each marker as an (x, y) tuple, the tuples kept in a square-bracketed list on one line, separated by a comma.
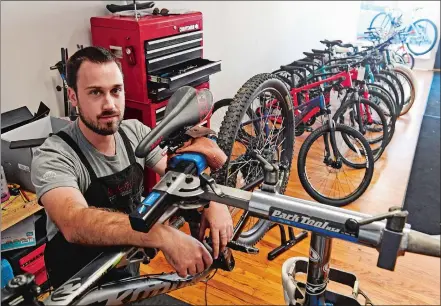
[(186, 187)]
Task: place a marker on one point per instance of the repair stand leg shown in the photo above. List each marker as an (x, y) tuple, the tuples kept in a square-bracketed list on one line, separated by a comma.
[(284, 243)]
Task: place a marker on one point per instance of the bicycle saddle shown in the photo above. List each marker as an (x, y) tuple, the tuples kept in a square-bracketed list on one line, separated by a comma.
[(115, 8), (321, 51), (331, 42), (186, 108), (347, 45), (314, 55), (302, 63)]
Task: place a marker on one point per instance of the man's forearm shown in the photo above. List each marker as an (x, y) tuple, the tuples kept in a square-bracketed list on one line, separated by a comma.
[(95, 226)]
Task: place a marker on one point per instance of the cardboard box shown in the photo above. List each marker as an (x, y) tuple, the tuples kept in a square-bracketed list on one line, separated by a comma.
[(20, 116), (21, 235), (17, 162)]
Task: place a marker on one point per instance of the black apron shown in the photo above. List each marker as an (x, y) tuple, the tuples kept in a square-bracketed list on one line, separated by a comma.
[(120, 191)]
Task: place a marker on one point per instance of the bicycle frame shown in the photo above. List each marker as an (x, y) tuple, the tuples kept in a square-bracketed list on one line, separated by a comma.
[(325, 223)]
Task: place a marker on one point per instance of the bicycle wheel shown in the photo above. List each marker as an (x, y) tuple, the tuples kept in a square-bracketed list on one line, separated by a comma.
[(408, 88), (406, 59), (422, 37), (315, 166), (368, 119), (389, 86), (386, 93), (396, 82), (260, 117), (386, 107), (382, 21)]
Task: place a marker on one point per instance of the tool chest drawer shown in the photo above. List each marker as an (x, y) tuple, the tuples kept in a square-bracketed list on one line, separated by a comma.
[(185, 73), (149, 54), (172, 44), (173, 59), (158, 93)]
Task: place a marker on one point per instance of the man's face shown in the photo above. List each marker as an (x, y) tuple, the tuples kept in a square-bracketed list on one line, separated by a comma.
[(100, 96)]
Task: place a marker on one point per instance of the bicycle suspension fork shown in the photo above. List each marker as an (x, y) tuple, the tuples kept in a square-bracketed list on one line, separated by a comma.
[(329, 138)]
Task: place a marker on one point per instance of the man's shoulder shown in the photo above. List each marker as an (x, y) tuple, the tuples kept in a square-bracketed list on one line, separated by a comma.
[(134, 129), (55, 145)]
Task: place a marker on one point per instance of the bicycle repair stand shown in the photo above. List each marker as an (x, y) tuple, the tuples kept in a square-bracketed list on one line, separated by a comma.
[(270, 184), (286, 244)]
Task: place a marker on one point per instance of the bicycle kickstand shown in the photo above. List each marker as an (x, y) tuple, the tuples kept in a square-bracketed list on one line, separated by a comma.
[(286, 244)]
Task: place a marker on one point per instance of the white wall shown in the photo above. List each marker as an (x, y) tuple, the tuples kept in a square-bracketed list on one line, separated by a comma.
[(250, 37), (32, 34)]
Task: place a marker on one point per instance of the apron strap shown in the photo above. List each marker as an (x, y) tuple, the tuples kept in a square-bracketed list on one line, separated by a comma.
[(128, 146), (63, 135)]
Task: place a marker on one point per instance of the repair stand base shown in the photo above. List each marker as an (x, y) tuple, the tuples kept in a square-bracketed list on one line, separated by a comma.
[(286, 244)]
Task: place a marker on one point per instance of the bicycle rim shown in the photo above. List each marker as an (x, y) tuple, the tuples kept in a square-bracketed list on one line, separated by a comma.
[(332, 185)]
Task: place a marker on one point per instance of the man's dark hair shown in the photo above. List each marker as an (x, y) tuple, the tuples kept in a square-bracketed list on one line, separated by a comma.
[(97, 55)]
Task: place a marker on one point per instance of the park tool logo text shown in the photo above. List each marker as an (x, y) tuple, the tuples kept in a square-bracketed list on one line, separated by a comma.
[(304, 220)]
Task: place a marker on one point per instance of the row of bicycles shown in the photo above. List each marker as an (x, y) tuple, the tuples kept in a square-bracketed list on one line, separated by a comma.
[(341, 103)]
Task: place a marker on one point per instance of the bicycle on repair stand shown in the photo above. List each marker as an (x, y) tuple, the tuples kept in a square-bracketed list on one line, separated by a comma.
[(186, 187)]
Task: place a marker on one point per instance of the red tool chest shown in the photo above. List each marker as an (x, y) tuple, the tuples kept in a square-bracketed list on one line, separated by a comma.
[(158, 54)]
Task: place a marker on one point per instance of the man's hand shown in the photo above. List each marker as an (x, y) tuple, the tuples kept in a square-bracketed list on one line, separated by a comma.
[(218, 218), (186, 254), (215, 157)]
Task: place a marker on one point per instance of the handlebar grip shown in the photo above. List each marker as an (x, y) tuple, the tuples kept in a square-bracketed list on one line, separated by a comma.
[(114, 8), (423, 244)]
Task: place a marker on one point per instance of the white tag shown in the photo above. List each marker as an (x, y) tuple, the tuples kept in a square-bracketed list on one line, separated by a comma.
[(333, 96), (361, 72)]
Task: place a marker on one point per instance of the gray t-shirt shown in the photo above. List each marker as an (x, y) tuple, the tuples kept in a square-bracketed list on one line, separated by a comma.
[(55, 164)]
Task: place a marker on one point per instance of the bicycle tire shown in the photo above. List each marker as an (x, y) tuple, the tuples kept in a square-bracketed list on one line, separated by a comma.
[(377, 16), (229, 129), (377, 152), (402, 60), (397, 84), (409, 102), (301, 165), (385, 104), (392, 90), (386, 93)]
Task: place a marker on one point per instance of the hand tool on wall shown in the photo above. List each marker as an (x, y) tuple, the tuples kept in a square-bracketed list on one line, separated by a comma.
[(61, 67)]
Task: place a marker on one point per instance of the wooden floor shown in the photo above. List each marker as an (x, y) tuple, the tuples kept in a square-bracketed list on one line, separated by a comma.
[(416, 279)]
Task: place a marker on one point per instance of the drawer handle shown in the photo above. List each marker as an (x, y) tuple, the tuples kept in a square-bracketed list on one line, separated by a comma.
[(174, 46), (194, 70), (153, 42), (173, 55)]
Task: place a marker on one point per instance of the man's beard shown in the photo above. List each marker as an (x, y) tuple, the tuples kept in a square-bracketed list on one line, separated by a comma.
[(110, 128)]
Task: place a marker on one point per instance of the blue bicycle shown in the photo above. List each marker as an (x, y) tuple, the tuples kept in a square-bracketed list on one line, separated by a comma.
[(421, 35)]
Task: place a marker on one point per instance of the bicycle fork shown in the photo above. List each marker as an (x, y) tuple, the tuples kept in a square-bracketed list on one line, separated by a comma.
[(329, 139)]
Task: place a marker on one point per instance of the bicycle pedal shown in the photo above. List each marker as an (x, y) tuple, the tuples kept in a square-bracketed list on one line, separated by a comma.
[(234, 245)]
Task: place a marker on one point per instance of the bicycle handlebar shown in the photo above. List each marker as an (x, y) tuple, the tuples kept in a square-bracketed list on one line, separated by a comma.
[(423, 244)]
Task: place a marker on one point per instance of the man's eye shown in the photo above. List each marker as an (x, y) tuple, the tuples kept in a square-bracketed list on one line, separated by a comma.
[(116, 90), (95, 92)]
